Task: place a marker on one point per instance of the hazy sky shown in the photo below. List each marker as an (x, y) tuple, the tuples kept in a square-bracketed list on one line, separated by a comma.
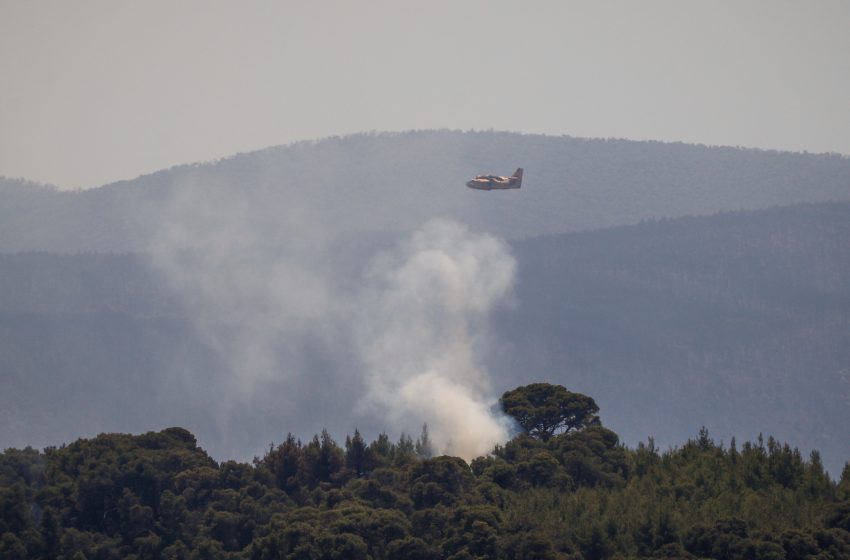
[(96, 91)]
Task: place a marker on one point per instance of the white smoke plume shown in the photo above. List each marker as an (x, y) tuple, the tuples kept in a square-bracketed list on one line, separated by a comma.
[(424, 322), (258, 274), (249, 268)]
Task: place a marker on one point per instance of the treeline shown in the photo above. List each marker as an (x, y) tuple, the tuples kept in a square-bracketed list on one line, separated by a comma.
[(569, 491)]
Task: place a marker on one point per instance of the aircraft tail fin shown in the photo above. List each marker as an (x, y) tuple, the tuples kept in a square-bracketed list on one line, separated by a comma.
[(518, 175)]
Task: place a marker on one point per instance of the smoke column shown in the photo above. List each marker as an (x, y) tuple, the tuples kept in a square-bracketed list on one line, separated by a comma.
[(399, 343), (250, 269), (424, 319)]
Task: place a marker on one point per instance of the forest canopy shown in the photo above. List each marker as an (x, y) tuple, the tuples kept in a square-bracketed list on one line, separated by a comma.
[(542, 409), (565, 489)]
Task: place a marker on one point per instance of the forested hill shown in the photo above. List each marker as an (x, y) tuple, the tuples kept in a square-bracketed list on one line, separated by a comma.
[(574, 495), (571, 184)]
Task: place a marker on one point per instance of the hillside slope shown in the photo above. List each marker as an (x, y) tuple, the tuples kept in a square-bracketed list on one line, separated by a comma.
[(737, 321), (394, 182)]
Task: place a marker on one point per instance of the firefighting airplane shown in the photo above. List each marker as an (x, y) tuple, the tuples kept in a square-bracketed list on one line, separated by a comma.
[(492, 182)]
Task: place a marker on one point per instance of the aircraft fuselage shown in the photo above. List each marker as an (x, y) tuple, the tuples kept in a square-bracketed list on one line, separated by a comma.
[(496, 182)]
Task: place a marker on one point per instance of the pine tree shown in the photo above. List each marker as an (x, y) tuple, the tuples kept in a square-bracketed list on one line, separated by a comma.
[(424, 448)]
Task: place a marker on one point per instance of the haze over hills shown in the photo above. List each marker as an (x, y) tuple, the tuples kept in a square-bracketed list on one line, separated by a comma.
[(257, 295), (735, 321), (242, 337), (571, 184)]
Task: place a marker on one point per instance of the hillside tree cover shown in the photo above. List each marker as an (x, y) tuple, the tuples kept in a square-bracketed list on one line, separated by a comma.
[(577, 494)]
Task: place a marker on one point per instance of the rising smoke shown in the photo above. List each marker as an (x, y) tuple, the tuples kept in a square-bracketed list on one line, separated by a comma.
[(423, 323), (400, 334)]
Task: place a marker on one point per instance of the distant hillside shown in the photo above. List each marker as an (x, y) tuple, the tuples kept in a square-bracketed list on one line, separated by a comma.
[(571, 184), (737, 321)]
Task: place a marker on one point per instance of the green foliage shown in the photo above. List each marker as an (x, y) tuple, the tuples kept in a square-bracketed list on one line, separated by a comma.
[(542, 409), (578, 494), (442, 480)]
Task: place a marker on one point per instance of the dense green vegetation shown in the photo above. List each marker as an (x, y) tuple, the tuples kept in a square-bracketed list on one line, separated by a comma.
[(575, 492)]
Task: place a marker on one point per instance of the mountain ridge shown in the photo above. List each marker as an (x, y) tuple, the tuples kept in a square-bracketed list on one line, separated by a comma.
[(572, 184)]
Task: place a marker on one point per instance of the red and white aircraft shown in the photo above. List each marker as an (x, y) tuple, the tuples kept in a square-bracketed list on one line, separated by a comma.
[(492, 182)]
